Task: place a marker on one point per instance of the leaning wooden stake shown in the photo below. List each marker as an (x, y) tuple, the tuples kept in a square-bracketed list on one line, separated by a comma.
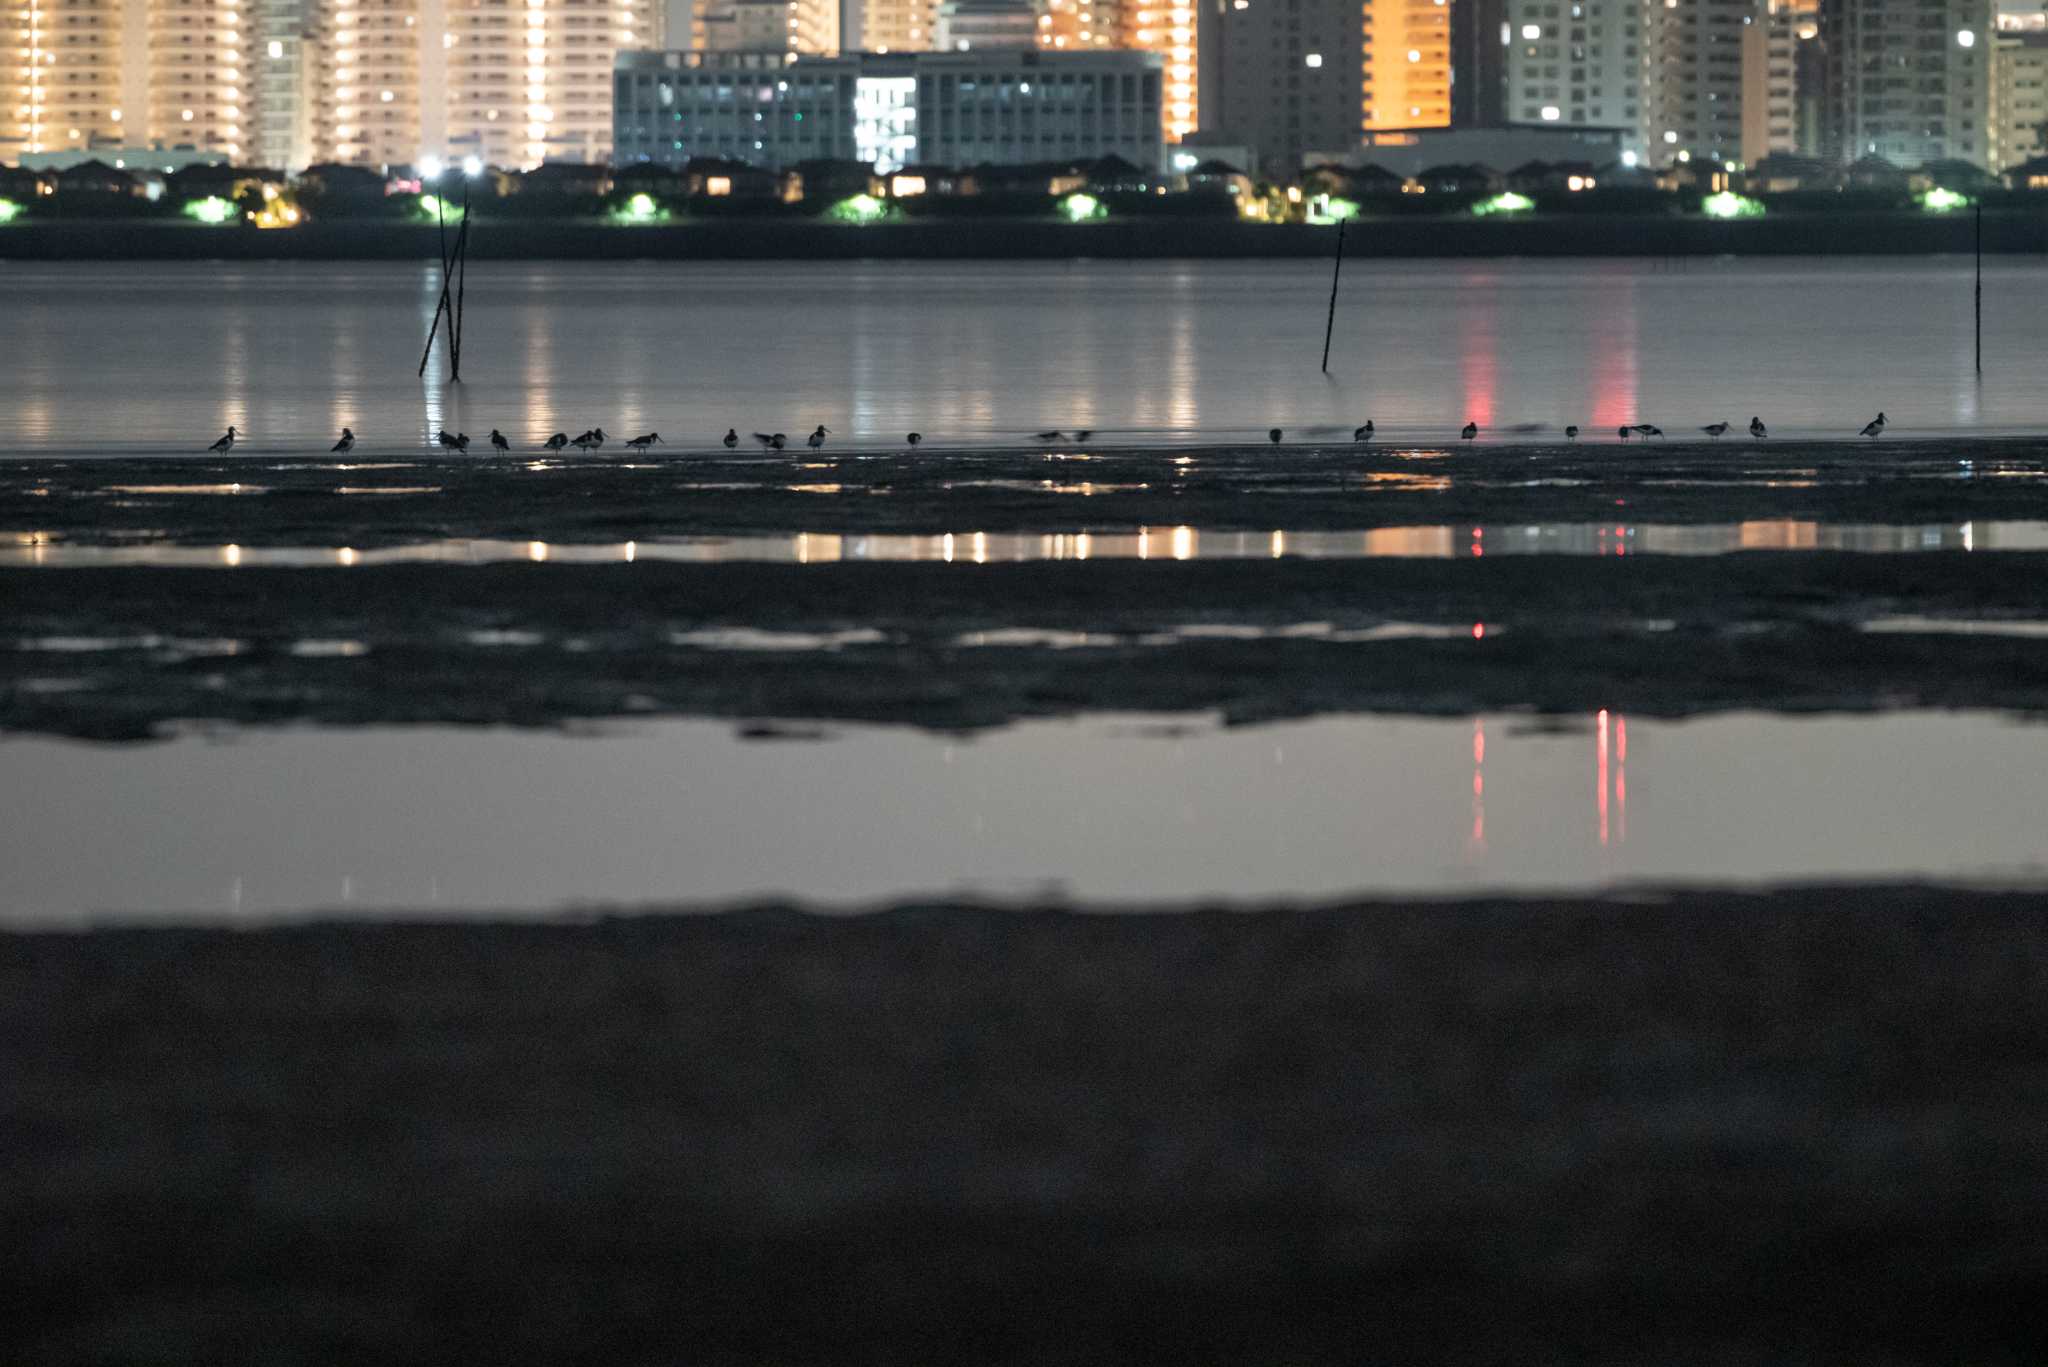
[(1980, 287), (1330, 325), (441, 308)]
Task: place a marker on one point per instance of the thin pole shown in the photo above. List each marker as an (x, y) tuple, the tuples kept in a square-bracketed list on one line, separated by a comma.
[(462, 277), (1330, 325), (1980, 286), (442, 306)]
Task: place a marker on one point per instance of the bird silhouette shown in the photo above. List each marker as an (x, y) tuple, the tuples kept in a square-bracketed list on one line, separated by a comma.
[(445, 438), (1572, 432), (1875, 427), (1757, 429), (817, 438), (1049, 436), (1715, 429), (556, 442), (226, 443), (1471, 431), (1084, 434), (498, 442), (1621, 432), (1274, 434), (732, 438), (642, 442), (1362, 433), (1649, 429), (347, 442), (914, 438)]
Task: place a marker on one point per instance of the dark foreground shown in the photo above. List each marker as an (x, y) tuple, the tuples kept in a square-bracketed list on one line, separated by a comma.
[(1718, 1128)]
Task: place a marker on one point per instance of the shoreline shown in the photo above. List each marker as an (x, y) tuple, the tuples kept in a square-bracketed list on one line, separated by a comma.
[(1867, 233), (1796, 1126)]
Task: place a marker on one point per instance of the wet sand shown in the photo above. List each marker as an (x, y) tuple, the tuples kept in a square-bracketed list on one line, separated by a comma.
[(1709, 1128)]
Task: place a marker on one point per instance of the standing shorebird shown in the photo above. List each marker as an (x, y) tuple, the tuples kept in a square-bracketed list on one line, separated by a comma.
[(226, 443), (642, 442), (1621, 432), (1362, 433), (732, 438), (556, 442), (778, 441), (1084, 434), (1274, 434), (1049, 436), (1471, 431), (347, 442), (767, 440), (585, 442), (1715, 429), (1572, 432), (914, 438), (498, 442), (1649, 429), (817, 438), (1873, 428), (445, 439), (1757, 429)]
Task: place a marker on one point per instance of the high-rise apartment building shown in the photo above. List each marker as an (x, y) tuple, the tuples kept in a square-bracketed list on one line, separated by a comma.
[(2019, 100), (1407, 64), (1479, 46), (1782, 105), (1285, 78), (529, 81), (367, 98), (1693, 78), (201, 82), (899, 25), (1577, 64), (1911, 79), (60, 74)]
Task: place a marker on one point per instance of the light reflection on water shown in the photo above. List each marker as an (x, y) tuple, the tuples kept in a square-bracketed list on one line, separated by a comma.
[(289, 352), (1105, 808), (1148, 543)]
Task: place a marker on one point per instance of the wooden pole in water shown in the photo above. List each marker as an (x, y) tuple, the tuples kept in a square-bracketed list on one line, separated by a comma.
[(1980, 286), (1330, 325), (441, 307), (462, 275)]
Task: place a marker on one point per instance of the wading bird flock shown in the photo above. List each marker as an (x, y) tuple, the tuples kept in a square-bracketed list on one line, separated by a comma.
[(595, 438)]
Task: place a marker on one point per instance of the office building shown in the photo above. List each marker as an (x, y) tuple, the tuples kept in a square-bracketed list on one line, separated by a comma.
[(954, 109), (1910, 80)]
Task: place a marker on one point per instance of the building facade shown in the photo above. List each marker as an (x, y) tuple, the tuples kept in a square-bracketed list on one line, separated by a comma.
[(1407, 64), (1286, 78), (1577, 64), (60, 75), (366, 99), (977, 25), (2019, 99), (892, 110), (1693, 82), (898, 25), (1910, 80)]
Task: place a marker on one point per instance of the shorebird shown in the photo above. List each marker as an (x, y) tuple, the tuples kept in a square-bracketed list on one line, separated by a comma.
[(1084, 434), (460, 441), (641, 443), (1572, 432), (1649, 429), (1471, 431), (1757, 429), (732, 438), (914, 438), (1048, 436), (1715, 429), (1621, 432), (1362, 433), (445, 438), (585, 442), (817, 438), (778, 441), (597, 436), (226, 443), (1875, 427), (766, 439), (1274, 434), (348, 440), (498, 442), (556, 442)]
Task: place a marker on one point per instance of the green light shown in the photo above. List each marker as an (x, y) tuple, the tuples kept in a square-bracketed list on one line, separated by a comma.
[(8, 210), (859, 209), (1940, 201), (433, 206), (1726, 205), (1079, 208), (640, 208), (429, 205), (1330, 209), (212, 209), (1509, 203)]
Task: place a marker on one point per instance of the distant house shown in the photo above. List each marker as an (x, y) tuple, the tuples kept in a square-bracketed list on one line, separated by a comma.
[(926, 180), (1111, 174), (1459, 178), (2031, 174), (1220, 178), (1031, 178), (1875, 173), (23, 185), (1373, 180), (829, 180), (1538, 177), (1782, 173), (334, 183), (650, 178), (98, 178), (1951, 174), (566, 180), (718, 178)]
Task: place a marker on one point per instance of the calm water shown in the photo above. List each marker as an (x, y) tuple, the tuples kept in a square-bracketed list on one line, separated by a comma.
[(153, 356), (1126, 809)]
